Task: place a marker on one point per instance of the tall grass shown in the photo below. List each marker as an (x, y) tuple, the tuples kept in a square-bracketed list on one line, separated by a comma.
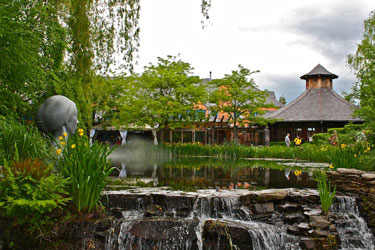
[(19, 141), (87, 167), (342, 156)]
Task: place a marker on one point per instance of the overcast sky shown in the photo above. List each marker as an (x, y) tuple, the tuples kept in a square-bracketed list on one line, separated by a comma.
[(283, 39)]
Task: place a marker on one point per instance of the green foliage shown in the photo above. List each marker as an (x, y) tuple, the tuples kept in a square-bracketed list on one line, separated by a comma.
[(338, 130), (165, 95), (27, 199), (32, 43), (282, 99), (345, 156), (87, 168), (237, 97), (327, 196), (363, 63), (21, 141), (321, 138)]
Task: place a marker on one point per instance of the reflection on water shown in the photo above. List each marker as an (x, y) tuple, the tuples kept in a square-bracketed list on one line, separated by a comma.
[(207, 172)]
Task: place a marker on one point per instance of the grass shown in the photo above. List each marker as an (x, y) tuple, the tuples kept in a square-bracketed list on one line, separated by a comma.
[(342, 156)]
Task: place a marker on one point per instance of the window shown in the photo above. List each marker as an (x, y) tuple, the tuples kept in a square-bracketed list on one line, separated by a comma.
[(311, 129)]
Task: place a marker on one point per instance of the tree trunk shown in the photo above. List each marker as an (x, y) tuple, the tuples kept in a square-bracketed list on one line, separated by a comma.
[(235, 139)]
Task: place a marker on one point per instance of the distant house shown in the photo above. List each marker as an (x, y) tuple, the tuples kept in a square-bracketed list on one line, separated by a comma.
[(217, 129), (318, 108)]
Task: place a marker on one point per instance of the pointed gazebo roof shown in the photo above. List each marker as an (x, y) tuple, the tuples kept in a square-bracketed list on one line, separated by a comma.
[(319, 70), (319, 102)]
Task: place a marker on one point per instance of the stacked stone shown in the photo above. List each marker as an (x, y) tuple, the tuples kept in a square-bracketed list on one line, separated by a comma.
[(362, 185), (355, 181)]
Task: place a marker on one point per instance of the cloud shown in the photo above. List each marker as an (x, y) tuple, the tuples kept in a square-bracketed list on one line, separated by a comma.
[(331, 30), (289, 86)]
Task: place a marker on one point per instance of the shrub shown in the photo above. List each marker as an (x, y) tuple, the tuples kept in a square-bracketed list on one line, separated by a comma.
[(321, 138), (87, 168), (20, 141), (277, 143), (28, 199)]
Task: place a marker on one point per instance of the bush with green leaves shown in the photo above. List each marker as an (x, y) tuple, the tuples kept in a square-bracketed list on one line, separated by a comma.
[(87, 168), (19, 141), (321, 138), (27, 196)]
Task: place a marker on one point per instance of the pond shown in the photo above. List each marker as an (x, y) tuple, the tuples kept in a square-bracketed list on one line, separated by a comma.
[(147, 168)]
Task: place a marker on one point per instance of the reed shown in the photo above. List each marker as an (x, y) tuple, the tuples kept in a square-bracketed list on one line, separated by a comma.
[(87, 168), (326, 195)]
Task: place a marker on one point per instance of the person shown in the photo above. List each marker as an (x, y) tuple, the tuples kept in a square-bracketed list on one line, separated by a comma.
[(287, 140), (297, 141), (333, 139)]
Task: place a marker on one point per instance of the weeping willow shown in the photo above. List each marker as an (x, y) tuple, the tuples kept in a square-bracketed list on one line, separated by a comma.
[(104, 34), (103, 39), (50, 47)]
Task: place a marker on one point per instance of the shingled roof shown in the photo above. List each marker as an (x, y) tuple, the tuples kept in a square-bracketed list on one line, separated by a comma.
[(320, 104), (319, 70)]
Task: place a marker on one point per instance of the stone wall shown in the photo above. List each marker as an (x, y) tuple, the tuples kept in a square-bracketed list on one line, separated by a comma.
[(360, 184)]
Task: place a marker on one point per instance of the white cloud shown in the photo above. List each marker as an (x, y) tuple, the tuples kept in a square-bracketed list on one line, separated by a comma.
[(282, 39)]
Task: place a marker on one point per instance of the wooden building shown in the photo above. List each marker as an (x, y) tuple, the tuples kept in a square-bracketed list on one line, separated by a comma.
[(218, 130), (318, 108)]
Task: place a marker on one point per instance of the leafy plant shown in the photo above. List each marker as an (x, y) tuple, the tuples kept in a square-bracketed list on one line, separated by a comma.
[(87, 168), (326, 195), (20, 141), (28, 199)]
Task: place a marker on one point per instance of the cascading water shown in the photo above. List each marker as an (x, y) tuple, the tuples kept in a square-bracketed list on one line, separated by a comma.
[(353, 230), (176, 231)]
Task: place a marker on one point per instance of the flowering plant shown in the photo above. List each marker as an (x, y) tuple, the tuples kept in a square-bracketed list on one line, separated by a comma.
[(87, 167)]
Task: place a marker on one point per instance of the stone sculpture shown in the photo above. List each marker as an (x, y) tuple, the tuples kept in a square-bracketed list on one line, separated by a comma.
[(57, 115)]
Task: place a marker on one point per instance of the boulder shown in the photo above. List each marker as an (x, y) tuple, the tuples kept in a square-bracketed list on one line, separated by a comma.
[(264, 207), (319, 222), (220, 234), (308, 243), (368, 176)]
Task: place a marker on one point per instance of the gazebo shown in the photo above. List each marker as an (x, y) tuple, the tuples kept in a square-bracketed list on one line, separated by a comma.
[(318, 108)]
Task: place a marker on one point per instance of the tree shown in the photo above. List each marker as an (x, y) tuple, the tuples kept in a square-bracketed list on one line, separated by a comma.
[(60, 46), (282, 99), (164, 96), (237, 97), (363, 63), (32, 45)]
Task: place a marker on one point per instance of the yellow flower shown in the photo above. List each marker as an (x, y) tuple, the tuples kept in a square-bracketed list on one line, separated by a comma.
[(80, 130), (343, 145), (65, 134), (297, 172), (81, 134), (330, 166), (61, 138), (355, 155), (58, 151), (62, 143), (368, 148), (73, 146)]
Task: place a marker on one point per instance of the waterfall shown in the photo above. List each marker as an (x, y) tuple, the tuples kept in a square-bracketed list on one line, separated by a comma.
[(186, 232), (353, 230), (210, 220)]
